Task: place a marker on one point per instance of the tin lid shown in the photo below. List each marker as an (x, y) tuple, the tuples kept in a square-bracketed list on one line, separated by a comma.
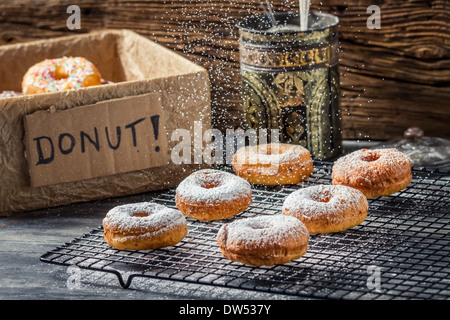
[(287, 22), (424, 152)]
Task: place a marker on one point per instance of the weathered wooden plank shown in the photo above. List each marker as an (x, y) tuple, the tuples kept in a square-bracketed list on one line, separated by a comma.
[(401, 72)]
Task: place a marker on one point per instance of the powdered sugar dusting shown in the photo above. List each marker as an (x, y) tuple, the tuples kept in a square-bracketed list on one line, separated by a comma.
[(270, 153), (159, 217), (366, 165), (209, 185), (262, 231), (324, 200)]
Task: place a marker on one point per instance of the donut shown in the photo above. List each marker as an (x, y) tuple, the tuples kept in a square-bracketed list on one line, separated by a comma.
[(211, 194), (60, 74), (327, 208), (263, 240), (375, 173), (10, 94), (273, 163), (143, 226)]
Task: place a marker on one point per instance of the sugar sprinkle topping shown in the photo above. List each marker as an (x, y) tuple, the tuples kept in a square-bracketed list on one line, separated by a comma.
[(43, 75)]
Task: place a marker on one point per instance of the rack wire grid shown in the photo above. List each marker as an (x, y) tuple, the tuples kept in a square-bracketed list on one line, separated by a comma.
[(401, 251)]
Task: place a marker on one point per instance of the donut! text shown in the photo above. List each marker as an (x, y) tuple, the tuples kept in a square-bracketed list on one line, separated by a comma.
[(66, 142)]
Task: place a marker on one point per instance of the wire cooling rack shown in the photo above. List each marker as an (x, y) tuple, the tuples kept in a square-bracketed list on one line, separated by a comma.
[(401, 251)]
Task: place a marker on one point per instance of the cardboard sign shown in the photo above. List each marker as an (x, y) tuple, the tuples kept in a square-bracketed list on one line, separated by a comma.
[(109, 137)]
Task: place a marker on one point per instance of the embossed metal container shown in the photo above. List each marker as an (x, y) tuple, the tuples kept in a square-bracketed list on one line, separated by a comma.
[(291, 80)]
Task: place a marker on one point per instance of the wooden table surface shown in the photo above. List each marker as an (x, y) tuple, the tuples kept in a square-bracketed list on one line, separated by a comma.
[(25, 237)]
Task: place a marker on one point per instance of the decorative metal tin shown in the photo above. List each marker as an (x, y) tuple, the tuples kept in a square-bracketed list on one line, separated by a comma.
[(291, 80)]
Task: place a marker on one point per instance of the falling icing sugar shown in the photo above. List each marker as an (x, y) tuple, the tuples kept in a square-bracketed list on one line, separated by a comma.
[(268, 11), (304, 6)]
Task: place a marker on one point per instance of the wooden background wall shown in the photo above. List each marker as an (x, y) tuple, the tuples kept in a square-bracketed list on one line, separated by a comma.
[(392, 78)]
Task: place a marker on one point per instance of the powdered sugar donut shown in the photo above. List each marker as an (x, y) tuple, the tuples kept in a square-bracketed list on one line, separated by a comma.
[(327, 208), (273, 163), (143, 226), (60, 74), (263, 240), (210, 194), (375, 173)]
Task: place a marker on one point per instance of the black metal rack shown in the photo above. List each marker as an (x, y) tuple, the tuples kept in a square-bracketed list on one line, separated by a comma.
[(401, 251)]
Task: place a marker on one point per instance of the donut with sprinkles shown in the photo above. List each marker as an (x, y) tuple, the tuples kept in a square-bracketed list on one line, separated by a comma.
[(67, 73)]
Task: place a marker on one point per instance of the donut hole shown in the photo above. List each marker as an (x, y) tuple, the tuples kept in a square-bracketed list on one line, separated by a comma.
[(324, 197), (210, 184), (325, 200), (60, 73), (370, 157), (140, 214)]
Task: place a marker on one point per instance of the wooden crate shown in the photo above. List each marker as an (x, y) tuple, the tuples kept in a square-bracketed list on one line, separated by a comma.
[(175, 90), (392, 78)]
